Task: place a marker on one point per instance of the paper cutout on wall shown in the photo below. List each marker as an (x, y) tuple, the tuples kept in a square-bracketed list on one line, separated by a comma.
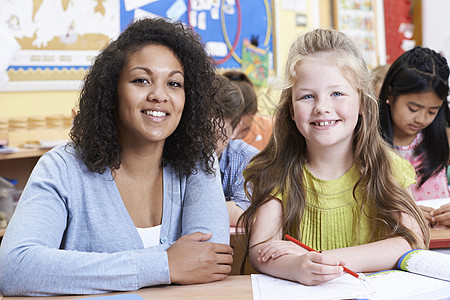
[(255, 63)]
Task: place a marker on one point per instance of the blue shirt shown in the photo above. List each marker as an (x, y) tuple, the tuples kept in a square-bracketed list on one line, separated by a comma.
[(232, 162), (71, 232)]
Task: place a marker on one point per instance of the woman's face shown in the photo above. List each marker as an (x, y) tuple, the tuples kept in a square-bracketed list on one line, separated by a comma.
[(411, 113), (151, 96)]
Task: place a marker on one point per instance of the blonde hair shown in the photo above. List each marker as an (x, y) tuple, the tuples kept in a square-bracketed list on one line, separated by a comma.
[(279, 167)]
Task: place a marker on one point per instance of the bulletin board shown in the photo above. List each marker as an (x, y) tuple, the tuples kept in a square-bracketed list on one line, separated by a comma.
[(59, 38), (222, 24)]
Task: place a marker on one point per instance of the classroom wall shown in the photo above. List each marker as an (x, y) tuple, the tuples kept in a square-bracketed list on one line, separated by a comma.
[(33, 103), (38, 103), (318, 14), (436, 26)]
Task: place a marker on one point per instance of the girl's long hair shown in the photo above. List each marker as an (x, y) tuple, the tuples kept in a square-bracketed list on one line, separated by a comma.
[(420, 70), (279, 167)]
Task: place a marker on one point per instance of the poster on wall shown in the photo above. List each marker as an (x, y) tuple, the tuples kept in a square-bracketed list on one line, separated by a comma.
[(357, 19), (59, 38), (222, 24)]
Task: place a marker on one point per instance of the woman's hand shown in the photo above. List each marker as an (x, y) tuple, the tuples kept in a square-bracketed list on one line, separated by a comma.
[(441, 216), (316, 268), (276, 248), (194, 260)]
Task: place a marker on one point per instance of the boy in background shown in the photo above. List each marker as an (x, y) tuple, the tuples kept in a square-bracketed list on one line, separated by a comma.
[(234, 154)]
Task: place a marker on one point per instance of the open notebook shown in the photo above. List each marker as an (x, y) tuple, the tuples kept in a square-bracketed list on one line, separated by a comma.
[(422, 274)]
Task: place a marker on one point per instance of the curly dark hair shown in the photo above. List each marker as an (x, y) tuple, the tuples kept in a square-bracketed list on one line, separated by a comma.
[(94, 132)]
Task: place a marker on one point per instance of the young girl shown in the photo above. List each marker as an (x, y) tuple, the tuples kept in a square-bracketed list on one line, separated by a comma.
[(414, 115), (327, 177)]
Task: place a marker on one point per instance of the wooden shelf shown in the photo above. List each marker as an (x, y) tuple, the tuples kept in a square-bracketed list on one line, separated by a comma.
[(19, 165), (23, 153)]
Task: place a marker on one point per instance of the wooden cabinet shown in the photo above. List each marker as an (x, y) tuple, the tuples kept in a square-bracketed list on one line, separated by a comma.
[(20, 164)]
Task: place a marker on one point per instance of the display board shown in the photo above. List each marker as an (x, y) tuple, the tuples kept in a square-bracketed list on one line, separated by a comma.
[(358, 19), (59, 38)]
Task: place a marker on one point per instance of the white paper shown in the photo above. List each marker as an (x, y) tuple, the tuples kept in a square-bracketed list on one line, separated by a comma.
[(176, 10), (345, 287), (434, 203), (133, 4), (216, 48), (140, 13), (404, 285)]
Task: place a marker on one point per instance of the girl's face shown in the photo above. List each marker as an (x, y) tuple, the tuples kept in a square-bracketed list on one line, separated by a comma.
[(325, 105), (247, 121), (411, 113), (151, 95)]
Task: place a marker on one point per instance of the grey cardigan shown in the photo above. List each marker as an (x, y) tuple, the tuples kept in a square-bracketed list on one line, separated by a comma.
[(71, 232)]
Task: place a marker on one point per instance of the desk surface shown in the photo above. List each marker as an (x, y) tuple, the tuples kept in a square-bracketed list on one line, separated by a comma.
[(234, 287), (440, 238)]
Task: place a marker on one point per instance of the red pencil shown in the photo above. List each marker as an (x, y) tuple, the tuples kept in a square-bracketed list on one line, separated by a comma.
[(288, 237)]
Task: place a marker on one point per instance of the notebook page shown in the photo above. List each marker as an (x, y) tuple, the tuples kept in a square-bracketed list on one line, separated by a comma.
[(426, 262), (395, 284), (345, 287)]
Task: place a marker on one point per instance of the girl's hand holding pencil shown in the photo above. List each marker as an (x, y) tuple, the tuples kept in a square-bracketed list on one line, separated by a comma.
[(290, 238), (311, 267)]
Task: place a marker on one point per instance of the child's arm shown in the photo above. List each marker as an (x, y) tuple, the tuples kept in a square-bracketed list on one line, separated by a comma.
[(297, 264), (234, 212), (376, 256), (441, 216)]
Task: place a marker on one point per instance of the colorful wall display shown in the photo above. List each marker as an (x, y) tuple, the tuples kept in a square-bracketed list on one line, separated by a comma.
[(59, 38)]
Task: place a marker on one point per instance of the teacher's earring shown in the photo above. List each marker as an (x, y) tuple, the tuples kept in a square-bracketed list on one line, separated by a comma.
[(388, 103)]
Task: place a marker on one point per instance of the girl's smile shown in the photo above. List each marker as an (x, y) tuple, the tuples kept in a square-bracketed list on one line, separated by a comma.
[(325, 108), (324, 125)]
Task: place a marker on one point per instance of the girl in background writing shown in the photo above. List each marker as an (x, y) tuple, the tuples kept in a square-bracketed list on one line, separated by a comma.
[(327, 177), (414, 116), (255, 128)]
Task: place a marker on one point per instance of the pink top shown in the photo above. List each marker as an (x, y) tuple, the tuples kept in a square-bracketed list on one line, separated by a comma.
[(436, 186)]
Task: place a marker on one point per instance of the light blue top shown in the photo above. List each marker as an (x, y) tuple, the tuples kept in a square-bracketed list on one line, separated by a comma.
[(71, 232), (233, 160)]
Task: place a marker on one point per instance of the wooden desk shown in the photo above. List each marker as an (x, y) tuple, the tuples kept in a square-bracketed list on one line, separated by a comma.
[(234, 287), (440, 238), (239, 255)]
